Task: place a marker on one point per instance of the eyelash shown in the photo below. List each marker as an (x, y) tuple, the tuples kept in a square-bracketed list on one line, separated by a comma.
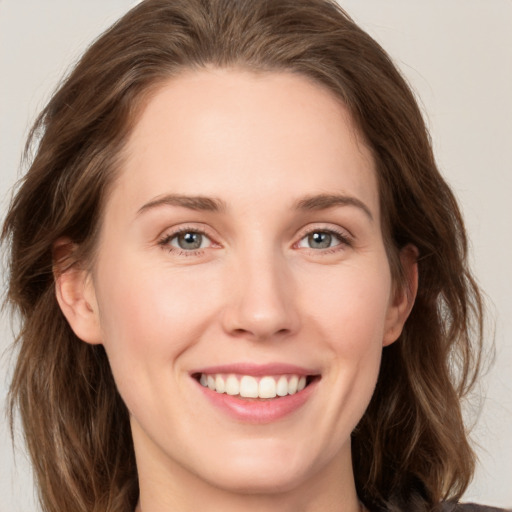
[(344, 239), (164, 242)]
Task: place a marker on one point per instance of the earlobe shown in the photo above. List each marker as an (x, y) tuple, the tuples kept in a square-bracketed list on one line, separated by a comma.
[(75, 293), (404, 295)]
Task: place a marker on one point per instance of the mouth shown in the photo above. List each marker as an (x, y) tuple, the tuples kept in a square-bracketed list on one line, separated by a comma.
[(255, 387), (257, 394)]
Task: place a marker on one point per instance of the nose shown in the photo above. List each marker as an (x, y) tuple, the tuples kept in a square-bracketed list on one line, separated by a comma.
[(261, 299)]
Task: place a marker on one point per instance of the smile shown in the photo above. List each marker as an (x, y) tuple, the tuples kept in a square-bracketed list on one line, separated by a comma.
[(249, 386), (257, 393)]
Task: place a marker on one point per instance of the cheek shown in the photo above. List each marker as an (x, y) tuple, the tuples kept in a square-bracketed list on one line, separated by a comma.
[(353, 307), (148, 319), (147, 312)]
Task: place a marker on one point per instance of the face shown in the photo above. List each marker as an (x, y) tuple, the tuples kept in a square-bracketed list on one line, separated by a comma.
[(241, 253)]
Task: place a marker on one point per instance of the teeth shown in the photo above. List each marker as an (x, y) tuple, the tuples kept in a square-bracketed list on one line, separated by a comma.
[(282, 386), (232, 385), (220, 385), (248, 386), (267, 388), (292, 385)]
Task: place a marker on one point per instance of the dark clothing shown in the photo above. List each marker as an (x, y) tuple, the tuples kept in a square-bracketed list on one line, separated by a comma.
[(444, 507), (471, 507)]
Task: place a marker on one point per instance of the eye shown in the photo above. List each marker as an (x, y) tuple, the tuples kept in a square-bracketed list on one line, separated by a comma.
[(323, 239), (189, 240), (186, 240)]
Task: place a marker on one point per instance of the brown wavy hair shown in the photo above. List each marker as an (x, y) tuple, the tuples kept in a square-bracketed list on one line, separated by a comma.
[(410, 449)]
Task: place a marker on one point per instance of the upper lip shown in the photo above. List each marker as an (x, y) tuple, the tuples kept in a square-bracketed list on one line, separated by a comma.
[(257, 370)]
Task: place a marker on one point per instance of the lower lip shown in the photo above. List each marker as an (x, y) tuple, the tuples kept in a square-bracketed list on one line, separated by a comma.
[(259, 411)]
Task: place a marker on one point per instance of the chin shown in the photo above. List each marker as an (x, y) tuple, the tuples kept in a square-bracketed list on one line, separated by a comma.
[(265, 480), (270, 472)]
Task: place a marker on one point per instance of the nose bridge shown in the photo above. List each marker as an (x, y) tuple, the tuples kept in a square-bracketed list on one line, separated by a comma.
[(261, 297)]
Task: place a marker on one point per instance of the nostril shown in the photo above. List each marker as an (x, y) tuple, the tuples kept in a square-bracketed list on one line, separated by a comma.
[(259, 333)]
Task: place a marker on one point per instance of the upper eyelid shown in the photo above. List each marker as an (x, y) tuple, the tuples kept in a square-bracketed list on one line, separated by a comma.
[(171, 232), (335, 229)]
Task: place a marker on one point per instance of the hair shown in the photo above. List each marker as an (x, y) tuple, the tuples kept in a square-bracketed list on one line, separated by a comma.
[(410, 449)]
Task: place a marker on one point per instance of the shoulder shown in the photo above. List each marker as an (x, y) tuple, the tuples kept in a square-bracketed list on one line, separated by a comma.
[(470, 507)]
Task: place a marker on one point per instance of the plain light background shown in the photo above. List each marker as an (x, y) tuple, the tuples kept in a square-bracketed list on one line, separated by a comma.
[(457, 55)]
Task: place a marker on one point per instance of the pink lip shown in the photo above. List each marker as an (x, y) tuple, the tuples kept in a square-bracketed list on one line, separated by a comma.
[(257, 370), (257, 411)]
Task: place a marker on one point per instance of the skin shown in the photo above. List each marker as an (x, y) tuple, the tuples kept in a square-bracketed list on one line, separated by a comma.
[(257, 291)]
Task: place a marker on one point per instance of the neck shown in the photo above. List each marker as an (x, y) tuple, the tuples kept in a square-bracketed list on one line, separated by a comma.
[(271, 505), (359, 508), (332, 489)]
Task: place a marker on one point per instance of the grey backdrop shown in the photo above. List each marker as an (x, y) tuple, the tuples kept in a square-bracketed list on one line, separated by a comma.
[(457, 54)]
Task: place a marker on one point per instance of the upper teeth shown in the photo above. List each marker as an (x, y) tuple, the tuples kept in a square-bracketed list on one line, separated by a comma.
[(251, 387)]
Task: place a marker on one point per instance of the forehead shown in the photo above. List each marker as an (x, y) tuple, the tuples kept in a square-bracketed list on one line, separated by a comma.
[(230, 132)]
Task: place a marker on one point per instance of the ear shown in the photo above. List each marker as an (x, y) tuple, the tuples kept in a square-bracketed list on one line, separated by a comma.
[(404, 295), (75, 293)]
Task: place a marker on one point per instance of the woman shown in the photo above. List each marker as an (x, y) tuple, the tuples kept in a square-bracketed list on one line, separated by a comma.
[(243, 281)]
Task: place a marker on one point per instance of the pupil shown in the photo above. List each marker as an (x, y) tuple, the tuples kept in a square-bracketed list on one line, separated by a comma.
[(190, 240), (320, 240)]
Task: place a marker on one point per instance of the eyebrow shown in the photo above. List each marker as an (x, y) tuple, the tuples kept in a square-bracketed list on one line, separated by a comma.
[(199, 203), (316, 202), (325, 201)]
